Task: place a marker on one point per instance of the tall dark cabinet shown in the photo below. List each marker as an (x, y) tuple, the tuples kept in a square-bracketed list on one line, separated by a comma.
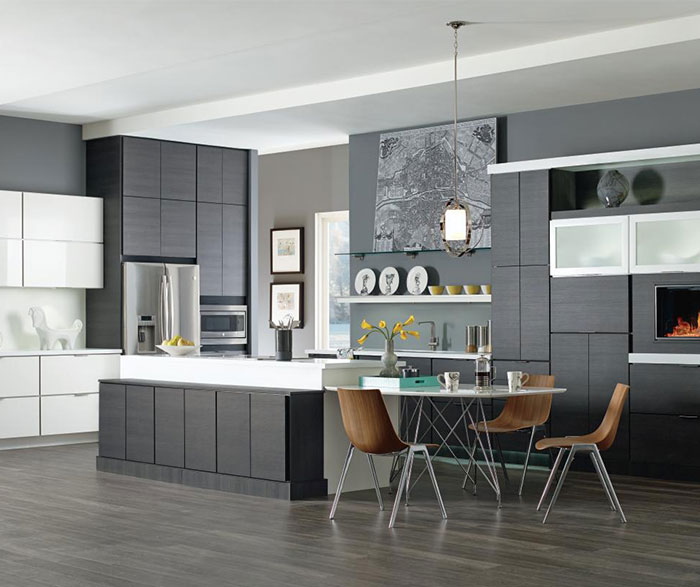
[(167, 202)]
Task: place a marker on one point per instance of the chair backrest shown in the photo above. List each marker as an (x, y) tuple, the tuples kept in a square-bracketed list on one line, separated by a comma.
[(530, 410), (605, 434), (367, 421)]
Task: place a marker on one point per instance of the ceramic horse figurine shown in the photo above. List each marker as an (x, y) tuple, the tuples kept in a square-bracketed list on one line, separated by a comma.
[(48, 337)]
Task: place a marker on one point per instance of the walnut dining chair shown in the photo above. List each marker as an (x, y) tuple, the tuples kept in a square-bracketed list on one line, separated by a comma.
[(370, 430), (529, 412), (593, 444)]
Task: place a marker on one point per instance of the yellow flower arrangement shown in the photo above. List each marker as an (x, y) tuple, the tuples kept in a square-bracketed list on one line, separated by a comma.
[(389, 335)]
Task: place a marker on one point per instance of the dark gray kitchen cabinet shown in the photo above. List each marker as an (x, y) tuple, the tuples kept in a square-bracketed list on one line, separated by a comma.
[(235, 250), (178, 171), (209, 174), (570, 368), (235, 176), (608, 366), (532, 367), (665, 389), (233, 433), (534, 218), (534, 313), (210, 248), (505, 215), (141, 167), (112, 421), (200, 429), (590, 304), (505, 311), (268, 436), (666, 441), (169, 426), (141, 226), (140, 424), (178, 229)]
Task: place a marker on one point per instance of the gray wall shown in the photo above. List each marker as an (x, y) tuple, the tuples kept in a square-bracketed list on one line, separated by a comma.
[(293, 187), (41, 156), (649, 121)]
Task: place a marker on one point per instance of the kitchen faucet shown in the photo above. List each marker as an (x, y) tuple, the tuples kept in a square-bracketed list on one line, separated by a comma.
[(434, 340)]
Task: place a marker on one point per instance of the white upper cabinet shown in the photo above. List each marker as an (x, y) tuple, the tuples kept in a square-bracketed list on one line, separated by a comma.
[(10, 214), (62, 218), (589, 246), (667, 242), (10, 262), (63, 264)]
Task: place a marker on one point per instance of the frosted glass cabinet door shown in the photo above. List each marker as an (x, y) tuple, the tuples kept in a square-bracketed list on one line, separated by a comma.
[(589, 246), (10, 262), (10, 214), (668, 242)]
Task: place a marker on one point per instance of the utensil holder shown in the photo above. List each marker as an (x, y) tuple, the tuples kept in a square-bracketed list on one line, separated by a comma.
[(283, 345)]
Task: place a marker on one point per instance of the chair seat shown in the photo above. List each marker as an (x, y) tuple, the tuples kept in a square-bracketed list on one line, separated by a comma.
[(496, 427), (567, 441)]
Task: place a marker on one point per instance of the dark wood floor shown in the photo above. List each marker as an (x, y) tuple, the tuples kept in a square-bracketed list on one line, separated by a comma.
[(65, 525)]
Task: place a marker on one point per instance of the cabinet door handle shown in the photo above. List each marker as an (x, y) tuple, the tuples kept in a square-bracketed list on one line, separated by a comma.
[(81, 394), (688, 417)]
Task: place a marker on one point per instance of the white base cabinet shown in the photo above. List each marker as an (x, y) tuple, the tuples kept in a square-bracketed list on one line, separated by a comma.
[(19, 376), (19, 417), (71, 374), (69, 414)]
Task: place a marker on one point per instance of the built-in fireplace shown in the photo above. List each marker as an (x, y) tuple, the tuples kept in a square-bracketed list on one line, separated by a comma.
[(678, 313)]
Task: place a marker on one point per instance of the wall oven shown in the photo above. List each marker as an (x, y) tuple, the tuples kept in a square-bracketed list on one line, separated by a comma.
[(224, 325)]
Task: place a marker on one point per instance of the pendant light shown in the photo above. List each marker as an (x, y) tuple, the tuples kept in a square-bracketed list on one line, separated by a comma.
[(456, 221)]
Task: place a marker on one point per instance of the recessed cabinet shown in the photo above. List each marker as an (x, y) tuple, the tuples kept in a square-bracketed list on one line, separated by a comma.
[(668, 242), (589, 246)]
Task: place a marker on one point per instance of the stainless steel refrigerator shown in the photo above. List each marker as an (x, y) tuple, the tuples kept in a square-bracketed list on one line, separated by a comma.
[(160, 301)]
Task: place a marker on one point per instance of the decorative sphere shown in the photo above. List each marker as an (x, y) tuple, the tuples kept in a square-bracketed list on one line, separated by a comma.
[(613, 188)]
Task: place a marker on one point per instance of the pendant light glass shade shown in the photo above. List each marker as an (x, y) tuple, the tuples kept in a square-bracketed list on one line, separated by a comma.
[(456, 221)]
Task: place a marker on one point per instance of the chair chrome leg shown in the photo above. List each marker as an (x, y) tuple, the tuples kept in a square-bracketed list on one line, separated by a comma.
[(370, 460), (503, 462), (603, 470), (564, 471), (400, 488), (527, 460), (408, 480), (603, 482), (431, 472), (550, 479), (344, 472)]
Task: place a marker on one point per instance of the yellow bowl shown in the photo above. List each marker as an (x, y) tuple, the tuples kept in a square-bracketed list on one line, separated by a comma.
[(454, 290), (486, 289), (472, 289), (436, 290)]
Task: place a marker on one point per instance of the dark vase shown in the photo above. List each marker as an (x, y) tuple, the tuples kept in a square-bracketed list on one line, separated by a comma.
[(283, 345), (613, 188)]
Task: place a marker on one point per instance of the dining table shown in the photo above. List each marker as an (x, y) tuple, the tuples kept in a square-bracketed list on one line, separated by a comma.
[(470, 403)]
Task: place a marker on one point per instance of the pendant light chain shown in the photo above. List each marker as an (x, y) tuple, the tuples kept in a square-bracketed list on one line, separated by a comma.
[(456, 48)]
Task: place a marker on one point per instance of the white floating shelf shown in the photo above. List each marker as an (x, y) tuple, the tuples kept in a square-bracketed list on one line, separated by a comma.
[(424, 299)]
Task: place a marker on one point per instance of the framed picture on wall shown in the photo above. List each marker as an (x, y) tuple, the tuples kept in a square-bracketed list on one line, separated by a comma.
[(287, 299), (286, 250)]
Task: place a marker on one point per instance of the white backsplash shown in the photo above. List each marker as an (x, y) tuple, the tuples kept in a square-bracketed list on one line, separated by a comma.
[(62, 307)]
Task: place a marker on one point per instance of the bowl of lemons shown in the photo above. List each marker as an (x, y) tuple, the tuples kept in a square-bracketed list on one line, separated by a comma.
[(178, 346)]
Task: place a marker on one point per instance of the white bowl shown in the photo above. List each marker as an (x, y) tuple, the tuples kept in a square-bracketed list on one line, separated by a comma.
[(178, 351)]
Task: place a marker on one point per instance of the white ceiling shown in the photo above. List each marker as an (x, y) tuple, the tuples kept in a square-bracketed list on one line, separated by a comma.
[(283, 74)]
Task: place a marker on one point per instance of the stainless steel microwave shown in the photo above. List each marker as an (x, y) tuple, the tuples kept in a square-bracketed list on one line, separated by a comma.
[(224, 325)]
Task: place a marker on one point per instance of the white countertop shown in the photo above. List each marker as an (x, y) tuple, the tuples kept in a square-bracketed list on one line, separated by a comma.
[(664, 359), (57, 353), (407, 353), (465, 391)]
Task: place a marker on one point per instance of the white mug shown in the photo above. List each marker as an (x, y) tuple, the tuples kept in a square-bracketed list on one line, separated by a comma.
[(516, 379), (449, 380)]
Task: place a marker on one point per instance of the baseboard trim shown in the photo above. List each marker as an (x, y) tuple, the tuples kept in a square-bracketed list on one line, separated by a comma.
[(43, 441)]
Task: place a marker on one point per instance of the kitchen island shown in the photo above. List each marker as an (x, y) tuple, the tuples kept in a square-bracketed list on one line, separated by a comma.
[(246, 425)]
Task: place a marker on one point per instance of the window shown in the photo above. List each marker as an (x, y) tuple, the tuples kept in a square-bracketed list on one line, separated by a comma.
[(332, 280)]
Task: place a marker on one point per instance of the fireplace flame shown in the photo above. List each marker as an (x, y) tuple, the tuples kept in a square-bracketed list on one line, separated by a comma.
[(685, 329)]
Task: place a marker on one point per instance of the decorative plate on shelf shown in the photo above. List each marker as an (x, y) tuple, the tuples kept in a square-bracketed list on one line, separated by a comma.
[(365, 281), (417, 280), (389, 281)]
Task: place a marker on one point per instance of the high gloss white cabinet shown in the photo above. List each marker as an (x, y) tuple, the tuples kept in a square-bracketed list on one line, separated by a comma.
[(667, 242), (10, 214), (19, 417), (589, 246), (19, 376), (62, 218), (69, 414), (10, 262), (63, 264), (70, 374)]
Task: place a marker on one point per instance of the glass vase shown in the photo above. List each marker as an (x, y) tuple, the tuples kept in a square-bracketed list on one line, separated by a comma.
[(389, 360)]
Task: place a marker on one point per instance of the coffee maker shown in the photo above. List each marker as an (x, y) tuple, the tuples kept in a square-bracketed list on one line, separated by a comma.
[(485, 373)]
